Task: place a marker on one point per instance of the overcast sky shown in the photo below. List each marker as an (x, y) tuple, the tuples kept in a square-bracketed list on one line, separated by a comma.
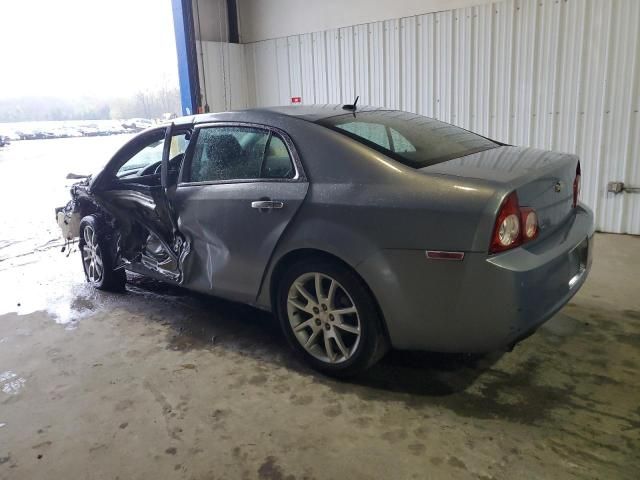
[(70, 48)]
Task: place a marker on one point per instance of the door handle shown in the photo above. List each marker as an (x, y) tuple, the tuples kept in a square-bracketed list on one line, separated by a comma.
[(264, 204)]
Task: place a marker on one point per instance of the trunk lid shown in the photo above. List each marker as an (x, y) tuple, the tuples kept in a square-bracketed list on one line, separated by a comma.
[(543, 180)]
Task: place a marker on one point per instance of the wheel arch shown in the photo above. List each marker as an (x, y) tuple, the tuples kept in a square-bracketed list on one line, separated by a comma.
[(293, 256)]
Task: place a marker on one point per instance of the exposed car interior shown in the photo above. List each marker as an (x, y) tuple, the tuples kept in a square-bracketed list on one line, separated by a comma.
[(144, 166)]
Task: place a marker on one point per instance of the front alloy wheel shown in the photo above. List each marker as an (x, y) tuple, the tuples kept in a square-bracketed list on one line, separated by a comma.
[(96, 249), (92, 256)]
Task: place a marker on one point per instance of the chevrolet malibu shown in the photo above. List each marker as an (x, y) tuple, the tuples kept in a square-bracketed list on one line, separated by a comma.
[(359, 229)]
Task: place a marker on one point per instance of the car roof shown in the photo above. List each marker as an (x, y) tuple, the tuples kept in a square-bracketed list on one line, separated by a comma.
[(311, 113)]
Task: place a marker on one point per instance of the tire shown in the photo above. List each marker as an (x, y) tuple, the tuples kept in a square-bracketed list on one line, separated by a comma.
[(355, 335), (97, 255)]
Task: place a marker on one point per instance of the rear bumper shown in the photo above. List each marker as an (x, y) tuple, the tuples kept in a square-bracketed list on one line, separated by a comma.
[(482, 303)]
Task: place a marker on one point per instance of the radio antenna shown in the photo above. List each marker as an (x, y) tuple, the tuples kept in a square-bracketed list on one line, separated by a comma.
[(351, 107)]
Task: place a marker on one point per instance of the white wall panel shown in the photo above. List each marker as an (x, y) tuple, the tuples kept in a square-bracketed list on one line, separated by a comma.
[(266, 19), (225, 74), (320, 74), (334, 77), (561, 75), (306, 66), (377, 76), (361, 63), (426, 65)]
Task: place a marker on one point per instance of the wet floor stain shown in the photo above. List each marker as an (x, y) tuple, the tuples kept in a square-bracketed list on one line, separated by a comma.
[(270, 470), (457, 463), (11, 383), (632, 314), (417, 449)]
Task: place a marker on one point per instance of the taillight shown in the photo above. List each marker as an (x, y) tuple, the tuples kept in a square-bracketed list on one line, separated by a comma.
[(506, 233), (514, 225), (529, 223), (576, 186)]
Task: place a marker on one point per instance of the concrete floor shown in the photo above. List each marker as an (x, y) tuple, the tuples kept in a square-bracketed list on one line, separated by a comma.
[(159, 383)]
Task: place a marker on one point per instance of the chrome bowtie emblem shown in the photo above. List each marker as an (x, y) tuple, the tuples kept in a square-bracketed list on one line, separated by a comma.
[(558, 186)]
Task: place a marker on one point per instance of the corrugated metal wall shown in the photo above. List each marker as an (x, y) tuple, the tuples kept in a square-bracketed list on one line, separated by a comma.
[(225, 75), (554, 74)]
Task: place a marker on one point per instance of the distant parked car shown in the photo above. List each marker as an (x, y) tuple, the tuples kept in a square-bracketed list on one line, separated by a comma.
[(26, 135), (71, 132), (115, 129), (137, 123), (89, 131), (359, 229), (11, 136)]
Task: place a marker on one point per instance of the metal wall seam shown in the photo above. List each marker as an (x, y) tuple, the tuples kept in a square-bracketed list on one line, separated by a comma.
[(319, 67), (409, 63), (361, 63), (307, 68), (484, 54), (632, 174), (561, 75), (392, 77), (334, 83), (295, 68), (347, 64), (618, 112), (376, 63)]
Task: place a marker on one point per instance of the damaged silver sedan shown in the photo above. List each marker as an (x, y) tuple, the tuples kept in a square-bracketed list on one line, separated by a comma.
[(361, 230)]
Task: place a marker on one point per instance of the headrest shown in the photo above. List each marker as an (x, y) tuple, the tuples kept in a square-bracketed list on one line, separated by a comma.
[(223, 147)]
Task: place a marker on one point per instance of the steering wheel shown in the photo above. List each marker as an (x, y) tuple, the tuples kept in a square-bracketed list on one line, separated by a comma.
[(173, 163), (150, 169)]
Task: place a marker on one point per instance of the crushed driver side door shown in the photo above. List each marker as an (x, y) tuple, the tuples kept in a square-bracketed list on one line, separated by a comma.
[(136, 188)]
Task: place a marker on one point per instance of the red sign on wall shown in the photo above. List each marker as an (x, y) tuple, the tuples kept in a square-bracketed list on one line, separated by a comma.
[(296, 99)]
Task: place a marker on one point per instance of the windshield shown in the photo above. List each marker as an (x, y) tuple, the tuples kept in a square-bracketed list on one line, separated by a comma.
[(412, 140)]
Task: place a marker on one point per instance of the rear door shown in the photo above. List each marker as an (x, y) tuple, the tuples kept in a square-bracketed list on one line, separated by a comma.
[(241, 185)]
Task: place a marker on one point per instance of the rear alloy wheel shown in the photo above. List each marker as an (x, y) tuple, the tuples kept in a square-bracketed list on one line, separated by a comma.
[(329, 316), (323, 317), (97, 260)]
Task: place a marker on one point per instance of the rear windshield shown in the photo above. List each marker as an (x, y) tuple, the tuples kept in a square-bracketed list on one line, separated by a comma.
[(413, 140)]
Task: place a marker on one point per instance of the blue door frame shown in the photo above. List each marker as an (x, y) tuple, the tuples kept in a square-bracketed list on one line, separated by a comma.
[(187, 55)]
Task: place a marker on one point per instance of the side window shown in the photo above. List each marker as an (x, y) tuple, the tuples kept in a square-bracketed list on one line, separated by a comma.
[(151, 154), (239, 153), (277, 162), (400, 143)]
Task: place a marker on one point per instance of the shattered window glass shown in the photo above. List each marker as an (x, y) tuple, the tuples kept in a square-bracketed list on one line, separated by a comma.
[(239, 153)]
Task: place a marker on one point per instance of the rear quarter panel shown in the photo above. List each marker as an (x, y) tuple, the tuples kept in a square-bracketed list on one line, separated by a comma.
[(360, 202)]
